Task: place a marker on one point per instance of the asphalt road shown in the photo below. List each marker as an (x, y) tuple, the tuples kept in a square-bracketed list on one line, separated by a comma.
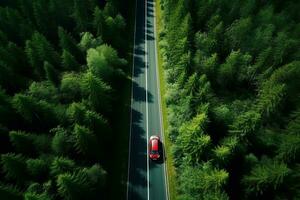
[(146, 179)]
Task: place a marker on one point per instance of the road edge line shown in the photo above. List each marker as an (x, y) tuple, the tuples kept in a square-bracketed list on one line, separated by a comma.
[(132, 79), (159, 100)]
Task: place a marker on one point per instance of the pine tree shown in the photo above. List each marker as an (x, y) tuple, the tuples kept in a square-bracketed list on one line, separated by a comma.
[(37, 168), (34, 111), (226, 151), (38, 50), (234, 70), (69, 62), (289, 146), (42, 143), (35, 196), (99, 65), (44, 90), (70, 88), (10, 192), (16, 28), (7, 115), (104, 62), (95, 89), (97, 176), (246, 124), (14, 167), (61, 142), (73, 186), (99, 22), (61, 165), (112, 35), (268, 174), (81, 15), (51, 73), (88, 41), (23, 142), (67, 42), (97, 123), (85, 142), (41, 13), (192, 139), (212, 182), (76, 113), (14, 57), (237, 34)]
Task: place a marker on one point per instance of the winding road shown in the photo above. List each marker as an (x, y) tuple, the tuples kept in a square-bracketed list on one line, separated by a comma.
[(147, 180)]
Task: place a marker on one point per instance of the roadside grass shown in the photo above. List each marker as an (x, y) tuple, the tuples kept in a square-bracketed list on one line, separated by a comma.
[(117, 165), (167, 143)]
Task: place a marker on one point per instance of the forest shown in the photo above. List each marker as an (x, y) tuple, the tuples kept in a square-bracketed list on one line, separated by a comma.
[(232, 70), (63, 67)]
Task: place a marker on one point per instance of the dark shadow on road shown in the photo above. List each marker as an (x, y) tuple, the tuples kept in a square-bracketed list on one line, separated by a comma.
[(138, 159), (139, 93)]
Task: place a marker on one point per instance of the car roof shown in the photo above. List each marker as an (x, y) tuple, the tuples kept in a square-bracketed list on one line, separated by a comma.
[(154, 144)]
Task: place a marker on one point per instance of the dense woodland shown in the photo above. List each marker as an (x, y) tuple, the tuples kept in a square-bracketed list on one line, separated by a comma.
[(233, 77), (62, 68)]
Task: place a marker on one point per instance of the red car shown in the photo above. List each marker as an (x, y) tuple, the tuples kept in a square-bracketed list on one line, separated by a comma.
[(154, 147)]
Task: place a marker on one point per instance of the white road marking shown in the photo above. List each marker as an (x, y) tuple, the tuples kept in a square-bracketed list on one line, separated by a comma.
[(147, 124), (159, 101), (132, 77)]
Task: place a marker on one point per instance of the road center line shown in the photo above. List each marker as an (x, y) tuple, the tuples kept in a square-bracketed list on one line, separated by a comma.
[(147, 124)]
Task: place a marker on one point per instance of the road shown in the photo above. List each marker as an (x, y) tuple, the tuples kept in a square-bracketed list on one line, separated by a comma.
[(146, 179)]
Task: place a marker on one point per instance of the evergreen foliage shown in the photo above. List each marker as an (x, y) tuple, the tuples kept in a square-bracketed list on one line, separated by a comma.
[(232, 73), (56, 108)]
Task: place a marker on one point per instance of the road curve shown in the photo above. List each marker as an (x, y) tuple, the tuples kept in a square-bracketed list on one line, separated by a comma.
[(146, 179)]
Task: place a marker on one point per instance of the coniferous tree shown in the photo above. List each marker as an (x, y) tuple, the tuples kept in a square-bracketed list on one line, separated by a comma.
[(104, 62), (95, 89), (34, 111), (76, 113), (61, 165), (73, 186), (192, 139), (14, 167), (85, 142), (289, 147), (61, 142), (14, 25), (23, 142), (40, 12), (44, 90), (80, 15), (70, 87), (37, 168), (267, 174), (115, 26), (88, 41), (38, 50), (35, 196), (51, 73), (7, 114), (69, 62), (99, 22), (96, 122), (59, 120), (67, 42), (10, 192)]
